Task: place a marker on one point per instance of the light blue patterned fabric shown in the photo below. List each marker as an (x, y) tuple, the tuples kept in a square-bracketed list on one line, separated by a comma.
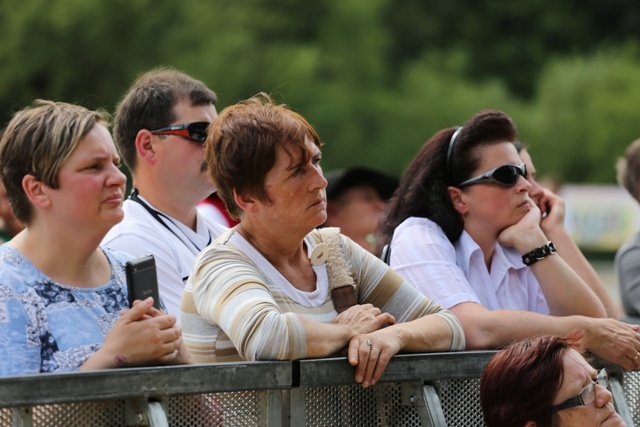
[(49, 327)]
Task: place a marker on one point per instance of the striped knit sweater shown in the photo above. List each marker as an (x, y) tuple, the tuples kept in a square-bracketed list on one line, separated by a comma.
[(232, 310)]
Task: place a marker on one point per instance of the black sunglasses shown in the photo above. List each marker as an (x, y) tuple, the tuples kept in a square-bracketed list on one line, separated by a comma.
[(505, 175), (196, 131)]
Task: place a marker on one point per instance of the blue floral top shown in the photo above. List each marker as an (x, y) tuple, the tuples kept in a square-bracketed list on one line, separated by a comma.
[(46, 326)]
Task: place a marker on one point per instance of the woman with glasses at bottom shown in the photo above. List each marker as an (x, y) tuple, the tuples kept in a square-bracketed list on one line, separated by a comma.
[(545, 381), (464, 230)]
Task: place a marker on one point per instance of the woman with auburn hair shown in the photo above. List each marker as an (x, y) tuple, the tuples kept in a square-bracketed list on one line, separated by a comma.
[(463, 229), (276, 288), (545, 382)]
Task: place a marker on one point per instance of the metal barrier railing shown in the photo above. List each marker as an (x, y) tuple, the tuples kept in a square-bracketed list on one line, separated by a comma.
[(242, 393), (439, 389)]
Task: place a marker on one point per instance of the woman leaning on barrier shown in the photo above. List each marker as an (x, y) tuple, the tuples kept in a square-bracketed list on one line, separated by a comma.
[(464, 230), (545, 382), (276, 288), (63, 300)]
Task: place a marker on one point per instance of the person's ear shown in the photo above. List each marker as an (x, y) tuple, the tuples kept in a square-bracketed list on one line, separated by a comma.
[(37, 192), (530, 424), (246, 203), (145, 147), (457, 198)]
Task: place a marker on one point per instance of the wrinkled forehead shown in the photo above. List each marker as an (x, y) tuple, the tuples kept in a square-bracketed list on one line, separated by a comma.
[(297, 153), (577, 371)]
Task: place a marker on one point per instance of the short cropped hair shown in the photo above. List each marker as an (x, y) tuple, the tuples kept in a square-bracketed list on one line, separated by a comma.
[(520, 382), (148, 104), (37, 141), (628, 170), (243, 142)]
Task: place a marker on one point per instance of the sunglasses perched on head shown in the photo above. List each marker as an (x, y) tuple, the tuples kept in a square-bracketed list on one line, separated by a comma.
[(196, 131), (505, 175)]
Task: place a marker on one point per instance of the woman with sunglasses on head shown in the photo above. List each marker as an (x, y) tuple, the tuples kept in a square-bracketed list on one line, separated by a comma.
[(63, 299), (546, 382), (463, 229)]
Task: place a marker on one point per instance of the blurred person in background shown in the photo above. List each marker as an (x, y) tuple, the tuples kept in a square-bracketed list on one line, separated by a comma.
[(160, 128), (463, 230), (63, 299), (275, 287), (546, 382), (552, 209), (627, 259), (9, 224), (214, 209), (356, 198)]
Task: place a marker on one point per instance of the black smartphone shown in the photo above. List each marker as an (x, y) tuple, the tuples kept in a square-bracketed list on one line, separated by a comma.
[(142, 280)]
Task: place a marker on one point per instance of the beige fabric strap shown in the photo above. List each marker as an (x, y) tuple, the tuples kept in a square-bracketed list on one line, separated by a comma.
[(339, 272)]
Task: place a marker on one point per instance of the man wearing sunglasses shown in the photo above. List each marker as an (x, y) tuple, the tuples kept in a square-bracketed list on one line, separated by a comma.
[(160, 128)]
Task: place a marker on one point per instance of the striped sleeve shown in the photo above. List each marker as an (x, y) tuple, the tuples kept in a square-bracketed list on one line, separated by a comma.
[(227, 291), (384, 288)]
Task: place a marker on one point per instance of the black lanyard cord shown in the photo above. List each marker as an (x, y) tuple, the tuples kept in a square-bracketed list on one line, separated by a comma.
[(157, 215)]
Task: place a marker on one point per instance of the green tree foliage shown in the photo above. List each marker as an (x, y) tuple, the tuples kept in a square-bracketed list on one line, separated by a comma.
[(376, 77), (585, 116), (78, 51), (510, 40)]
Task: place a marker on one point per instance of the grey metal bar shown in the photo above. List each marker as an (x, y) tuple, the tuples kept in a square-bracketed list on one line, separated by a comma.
[(426, 401), (298, 407), (135, 412), (274, 408), (619, 401), (42, 389), (405, 367), (157, 417), (22, 417)]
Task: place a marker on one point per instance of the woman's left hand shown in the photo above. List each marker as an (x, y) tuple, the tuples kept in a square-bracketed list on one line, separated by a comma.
[(553, 208), (370, 354)]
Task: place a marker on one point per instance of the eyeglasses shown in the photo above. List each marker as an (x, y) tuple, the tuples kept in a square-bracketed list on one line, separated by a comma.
[(196, 131), (586, 396), (505, 175)]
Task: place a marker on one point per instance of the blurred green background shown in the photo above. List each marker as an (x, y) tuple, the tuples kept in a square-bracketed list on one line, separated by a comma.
[(375, 77)]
